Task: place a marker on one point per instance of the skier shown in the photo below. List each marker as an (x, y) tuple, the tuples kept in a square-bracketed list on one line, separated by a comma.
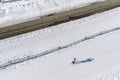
[(74, 61)]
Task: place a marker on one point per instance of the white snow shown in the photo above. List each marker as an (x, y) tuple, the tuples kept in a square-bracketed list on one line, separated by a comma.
[(110, 73), (21, 11), (105, 50), (50, 38), (57, 66)]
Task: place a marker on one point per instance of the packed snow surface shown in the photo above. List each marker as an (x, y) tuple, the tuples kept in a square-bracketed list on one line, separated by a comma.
[(60, 35), (104, 51), (21, 11)]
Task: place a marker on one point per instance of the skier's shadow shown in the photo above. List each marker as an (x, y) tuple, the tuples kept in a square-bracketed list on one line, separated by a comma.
[(85, 61)]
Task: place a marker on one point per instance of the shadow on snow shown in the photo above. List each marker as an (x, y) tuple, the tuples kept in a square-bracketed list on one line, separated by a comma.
[(84, 61)]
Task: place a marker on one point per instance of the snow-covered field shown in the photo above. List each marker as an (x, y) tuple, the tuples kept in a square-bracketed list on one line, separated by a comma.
[(50, 38), (57, 66), (104, 50), (21, 11)]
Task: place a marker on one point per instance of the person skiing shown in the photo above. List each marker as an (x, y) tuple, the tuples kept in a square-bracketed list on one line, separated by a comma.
[(74, 61)]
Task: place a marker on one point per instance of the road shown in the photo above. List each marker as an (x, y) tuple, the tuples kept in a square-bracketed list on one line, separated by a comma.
[(57, 18)]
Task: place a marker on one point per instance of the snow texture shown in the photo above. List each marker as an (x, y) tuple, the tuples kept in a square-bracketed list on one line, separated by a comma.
[(50, 38), (21, 11), (100, 56), (57, 65)]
